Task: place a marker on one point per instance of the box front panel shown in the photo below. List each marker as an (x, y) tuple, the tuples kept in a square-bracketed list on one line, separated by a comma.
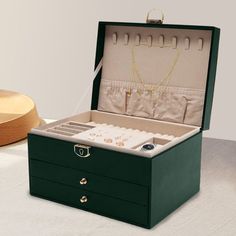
[(101, 204), (90, 182), (102, 162)]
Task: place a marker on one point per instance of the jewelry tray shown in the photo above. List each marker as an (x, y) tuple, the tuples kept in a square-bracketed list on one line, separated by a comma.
[(140, 130)]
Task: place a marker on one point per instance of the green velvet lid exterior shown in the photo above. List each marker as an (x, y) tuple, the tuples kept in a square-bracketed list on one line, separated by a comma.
[(209, 91)]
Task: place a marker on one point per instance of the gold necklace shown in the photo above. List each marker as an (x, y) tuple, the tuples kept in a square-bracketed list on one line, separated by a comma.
[(164, 81)]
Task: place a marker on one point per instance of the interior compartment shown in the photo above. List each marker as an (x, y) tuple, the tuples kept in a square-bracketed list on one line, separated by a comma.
[(156, 73), (108, 130), (157, 142)]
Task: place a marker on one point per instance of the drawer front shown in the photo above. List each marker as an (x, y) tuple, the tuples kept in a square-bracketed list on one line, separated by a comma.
[(87, 181), (86, 200), (103, 162)]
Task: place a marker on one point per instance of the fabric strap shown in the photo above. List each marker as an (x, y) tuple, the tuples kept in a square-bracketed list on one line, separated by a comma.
[(86, 91)]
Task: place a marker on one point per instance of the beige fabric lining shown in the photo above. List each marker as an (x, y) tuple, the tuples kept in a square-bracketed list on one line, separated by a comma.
[(174, 104), (183, 99)]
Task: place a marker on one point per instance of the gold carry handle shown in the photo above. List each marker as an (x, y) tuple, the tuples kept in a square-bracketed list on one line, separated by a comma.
[(153, 20)]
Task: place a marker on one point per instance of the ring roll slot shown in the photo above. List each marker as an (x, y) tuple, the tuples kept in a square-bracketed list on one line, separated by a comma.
[(78, 128), (59, 132), (67, 130), (80, 125)]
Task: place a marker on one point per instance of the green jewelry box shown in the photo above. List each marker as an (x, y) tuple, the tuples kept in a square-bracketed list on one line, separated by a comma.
[(153, 84)]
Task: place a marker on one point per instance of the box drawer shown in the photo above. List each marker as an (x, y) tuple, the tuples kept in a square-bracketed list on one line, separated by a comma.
[(101, 204), (87, 181), (103, 162)]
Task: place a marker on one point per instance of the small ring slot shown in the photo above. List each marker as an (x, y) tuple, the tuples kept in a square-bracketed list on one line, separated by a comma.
[(126, 39), (149, 41), (161, 41), (187, 43), (174, 42), (137, 40), (200, 44), (114, 38)]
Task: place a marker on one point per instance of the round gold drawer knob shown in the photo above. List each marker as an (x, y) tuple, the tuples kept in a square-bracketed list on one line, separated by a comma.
[(83, 181), (83, 199)]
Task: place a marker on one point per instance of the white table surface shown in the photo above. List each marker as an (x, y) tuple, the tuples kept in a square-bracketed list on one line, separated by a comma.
[(211, 212)]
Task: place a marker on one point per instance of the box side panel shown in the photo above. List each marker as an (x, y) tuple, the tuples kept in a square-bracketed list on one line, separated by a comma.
[(211, 79), (175, 177), (29, 164)]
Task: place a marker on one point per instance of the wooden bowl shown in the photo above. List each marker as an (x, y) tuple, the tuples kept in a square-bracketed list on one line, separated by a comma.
[(18, 115)]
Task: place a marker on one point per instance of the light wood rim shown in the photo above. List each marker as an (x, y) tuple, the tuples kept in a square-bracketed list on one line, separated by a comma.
[(13, 130)]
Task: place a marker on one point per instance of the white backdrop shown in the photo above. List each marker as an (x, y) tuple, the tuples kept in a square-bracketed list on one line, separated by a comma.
[(47, 49)]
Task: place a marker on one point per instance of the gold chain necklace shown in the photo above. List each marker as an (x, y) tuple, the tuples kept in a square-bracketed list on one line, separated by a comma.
[(164, 81)]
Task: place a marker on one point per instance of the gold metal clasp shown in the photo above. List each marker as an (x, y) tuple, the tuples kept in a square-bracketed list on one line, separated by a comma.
[(82, 150)]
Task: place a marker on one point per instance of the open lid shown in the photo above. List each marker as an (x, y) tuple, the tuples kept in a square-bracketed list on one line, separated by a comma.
[(163, 72)]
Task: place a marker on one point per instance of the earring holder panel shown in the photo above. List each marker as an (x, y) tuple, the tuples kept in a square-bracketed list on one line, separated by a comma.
[(160, 41)]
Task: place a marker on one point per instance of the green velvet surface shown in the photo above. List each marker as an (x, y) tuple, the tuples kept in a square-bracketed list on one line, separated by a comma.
[(175, 177)]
